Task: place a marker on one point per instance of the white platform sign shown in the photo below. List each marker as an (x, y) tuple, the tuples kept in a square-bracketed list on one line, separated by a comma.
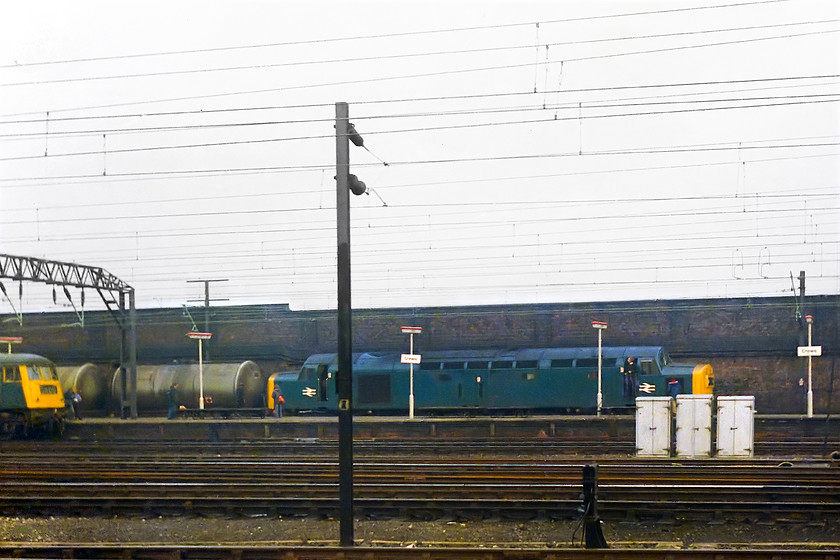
[(808, 351), (409, 358)]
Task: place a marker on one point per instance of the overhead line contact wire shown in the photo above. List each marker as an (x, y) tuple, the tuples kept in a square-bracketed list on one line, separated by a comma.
[(772, 195), (54, 119), (448, 127), (414, 76), (382, 228), (607, 116), (478, 271), (636, 102), (319, 232), (720, 210), (738, 233), (781, 301), (441, 263), (570, 258), (476, 207), (393, 35), (162, 175), (380, 58)]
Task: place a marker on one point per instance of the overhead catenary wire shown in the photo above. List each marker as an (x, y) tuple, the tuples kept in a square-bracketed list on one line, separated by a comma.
[(449, 127), (589, 105), (393, 77), (385, 229), (290, 254), (229, 197), (399, 34), (381, 57), (405, 100), (158, 175)]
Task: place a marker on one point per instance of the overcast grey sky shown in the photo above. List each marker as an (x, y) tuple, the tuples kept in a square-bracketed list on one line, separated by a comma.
[(538, 151)]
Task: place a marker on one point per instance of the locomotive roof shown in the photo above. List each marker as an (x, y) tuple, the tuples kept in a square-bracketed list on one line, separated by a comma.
[(23, 358), (386, 359)]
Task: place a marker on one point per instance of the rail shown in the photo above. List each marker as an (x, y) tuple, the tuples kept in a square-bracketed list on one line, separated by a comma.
[(332, 552)]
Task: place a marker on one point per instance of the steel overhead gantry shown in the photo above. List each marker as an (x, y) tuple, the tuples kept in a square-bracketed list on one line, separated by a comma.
[(113, 292)]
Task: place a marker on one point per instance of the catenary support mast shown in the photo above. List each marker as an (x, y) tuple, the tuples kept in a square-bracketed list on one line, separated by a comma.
[(113, 292)]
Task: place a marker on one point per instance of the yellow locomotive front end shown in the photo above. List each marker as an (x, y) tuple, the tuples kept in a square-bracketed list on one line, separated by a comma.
[(41, 388), (702, 380), (30, 393)]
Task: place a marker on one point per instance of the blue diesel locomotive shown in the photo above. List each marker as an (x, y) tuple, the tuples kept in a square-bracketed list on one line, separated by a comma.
[(485, 381)]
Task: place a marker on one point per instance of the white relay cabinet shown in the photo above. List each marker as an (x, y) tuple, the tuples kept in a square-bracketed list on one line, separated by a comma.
[(653, 426), (735, 426), (694, 425)]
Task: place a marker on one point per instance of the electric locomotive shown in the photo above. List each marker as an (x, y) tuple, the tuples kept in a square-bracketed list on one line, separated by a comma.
[(486, 381), (30, 394)]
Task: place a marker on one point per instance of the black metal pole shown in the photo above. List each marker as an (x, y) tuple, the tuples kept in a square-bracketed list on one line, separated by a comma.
[(344, 377), (592, 532), (124, 363), (132, 353)]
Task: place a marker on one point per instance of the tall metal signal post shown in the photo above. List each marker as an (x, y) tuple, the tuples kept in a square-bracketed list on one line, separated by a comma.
[(345, 183)]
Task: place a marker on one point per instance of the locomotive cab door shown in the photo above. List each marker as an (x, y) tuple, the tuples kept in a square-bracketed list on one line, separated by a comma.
[(323, 382), (11, 392), (649, 381)]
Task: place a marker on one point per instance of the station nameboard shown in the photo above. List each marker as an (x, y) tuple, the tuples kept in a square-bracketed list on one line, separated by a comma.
[(409, 358), (802, 351)]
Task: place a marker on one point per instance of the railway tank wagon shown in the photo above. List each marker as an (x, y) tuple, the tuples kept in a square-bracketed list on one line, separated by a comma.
[(91, 381), (527, 380), (226, 385), (30, 394)]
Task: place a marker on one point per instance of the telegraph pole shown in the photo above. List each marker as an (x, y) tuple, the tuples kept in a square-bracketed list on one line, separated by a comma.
[(345, 183), (207, 301), (802, 327)]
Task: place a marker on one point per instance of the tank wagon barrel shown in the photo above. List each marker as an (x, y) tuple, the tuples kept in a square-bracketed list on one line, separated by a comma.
[(226, 385), (90, 381)]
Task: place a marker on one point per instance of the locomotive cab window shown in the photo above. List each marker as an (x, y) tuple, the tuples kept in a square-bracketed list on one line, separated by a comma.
[(453, 365), (37, 373), (11, 374), (502, 364), (33, 373), (648, 367), (477, 365)]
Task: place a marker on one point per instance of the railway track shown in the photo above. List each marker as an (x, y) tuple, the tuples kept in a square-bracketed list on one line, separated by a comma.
[(427, 501), (331, 552), (410, 486), (772, 450)]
